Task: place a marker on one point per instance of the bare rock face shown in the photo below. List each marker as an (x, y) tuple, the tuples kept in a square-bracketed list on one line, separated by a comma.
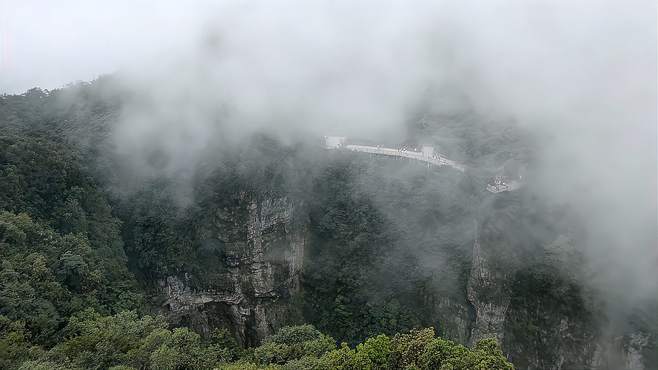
[(624, 352), (263, 246), (540, 315), (632, 351), (454, 318), (487, 294)]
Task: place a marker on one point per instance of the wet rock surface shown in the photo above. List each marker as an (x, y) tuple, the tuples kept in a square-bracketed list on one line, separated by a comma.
[(263, 259)]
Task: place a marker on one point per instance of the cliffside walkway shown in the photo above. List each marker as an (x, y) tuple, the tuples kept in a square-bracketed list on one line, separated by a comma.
[(426, 154)]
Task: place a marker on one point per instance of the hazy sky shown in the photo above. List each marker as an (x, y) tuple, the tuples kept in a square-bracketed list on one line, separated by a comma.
[(49, 44)]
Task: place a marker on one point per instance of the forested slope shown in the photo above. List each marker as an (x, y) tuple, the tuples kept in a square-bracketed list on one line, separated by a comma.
[(106, 267)]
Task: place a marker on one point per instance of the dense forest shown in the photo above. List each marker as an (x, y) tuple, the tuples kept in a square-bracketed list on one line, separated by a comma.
[(88, 247), (76, 259)]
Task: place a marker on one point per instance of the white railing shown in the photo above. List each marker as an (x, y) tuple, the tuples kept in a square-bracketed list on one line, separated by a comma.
[(436, 160), (427, 155)]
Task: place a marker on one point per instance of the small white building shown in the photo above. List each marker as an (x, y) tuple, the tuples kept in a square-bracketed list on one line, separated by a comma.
[(334, 142), (427, 150)]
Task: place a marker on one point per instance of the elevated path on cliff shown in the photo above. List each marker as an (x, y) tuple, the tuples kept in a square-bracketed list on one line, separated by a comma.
[(426, 153)]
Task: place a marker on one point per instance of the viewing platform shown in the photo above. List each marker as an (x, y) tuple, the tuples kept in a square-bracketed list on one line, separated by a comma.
[(501, 184), (426, 153)]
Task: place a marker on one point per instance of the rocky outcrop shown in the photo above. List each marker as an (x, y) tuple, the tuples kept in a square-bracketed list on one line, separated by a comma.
[(540, 313), (263, 246), (632, 351), (625, 352), (455, 319), (487, 294)]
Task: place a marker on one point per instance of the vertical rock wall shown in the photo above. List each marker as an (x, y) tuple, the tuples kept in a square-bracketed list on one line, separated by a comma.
[(263, 255), (264, 242), (539, 313), (486, 292)]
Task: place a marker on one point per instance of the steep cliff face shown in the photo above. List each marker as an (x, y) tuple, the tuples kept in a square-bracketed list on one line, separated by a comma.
[(487, 293), (526, 293), (263, 246), (629, 351), (517, 287), (456, 318)]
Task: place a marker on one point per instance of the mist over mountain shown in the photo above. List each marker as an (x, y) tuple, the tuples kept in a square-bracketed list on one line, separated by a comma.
[(189, 181)]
